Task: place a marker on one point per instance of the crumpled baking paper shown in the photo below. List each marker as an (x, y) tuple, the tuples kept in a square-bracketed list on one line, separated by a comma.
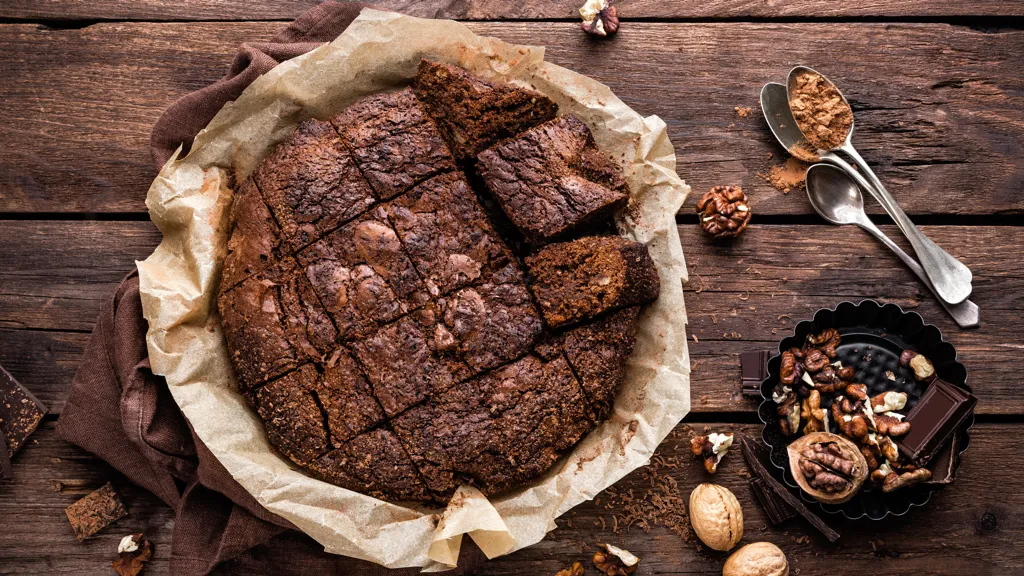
[(189, 202)]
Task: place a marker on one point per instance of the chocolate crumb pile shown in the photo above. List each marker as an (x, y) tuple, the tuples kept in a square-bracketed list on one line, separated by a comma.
[(820, 111)]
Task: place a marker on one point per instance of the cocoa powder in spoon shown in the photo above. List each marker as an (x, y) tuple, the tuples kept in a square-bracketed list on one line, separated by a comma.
[(820, 111)]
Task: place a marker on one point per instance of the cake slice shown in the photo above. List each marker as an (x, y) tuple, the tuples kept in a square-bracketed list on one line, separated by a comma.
[(552, 179), (292, 417), (346, 398), (374, 463), (472, 113), (446, 233), (311, 183), (497, 430), (574, 281), (254, 238), (362, 275), (394, 142), (597, 353)]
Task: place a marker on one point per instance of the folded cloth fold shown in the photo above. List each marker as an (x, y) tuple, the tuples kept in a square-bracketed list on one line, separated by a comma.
[(124, 414)]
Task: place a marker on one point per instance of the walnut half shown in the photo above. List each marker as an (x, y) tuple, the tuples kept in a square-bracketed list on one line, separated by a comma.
[(827, 466)]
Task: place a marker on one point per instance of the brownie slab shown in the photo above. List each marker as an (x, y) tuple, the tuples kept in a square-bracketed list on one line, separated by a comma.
[(394, 142), (254, 238), (490, 323), (291, 413), (497, 430), (311, 183), (423, 369), (95, 512), (362, 275), (573, 281), (473, 113), (552, 179), (347, 398), (447, 234), (374, 463)]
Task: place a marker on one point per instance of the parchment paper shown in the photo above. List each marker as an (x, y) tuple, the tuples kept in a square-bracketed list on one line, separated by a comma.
[(189, 202)]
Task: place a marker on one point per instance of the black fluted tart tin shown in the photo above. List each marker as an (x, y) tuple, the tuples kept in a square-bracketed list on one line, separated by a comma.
[(873, 335)]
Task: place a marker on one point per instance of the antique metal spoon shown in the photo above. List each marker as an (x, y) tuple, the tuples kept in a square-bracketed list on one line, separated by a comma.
[(952, 280), (837, 198)]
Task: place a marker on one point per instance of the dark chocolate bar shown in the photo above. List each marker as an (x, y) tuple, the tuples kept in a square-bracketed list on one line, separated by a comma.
[(756, 465), (5, 459), (20, 412), (934, 420), (754, 368), (943, 466), (777, 509)]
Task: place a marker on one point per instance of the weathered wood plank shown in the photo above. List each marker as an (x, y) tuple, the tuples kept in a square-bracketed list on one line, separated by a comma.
[(947, 536), (59, 274), (945, 128), (498, 10)]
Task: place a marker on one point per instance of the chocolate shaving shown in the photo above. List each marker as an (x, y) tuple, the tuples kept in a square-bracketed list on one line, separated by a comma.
[(757, 467)]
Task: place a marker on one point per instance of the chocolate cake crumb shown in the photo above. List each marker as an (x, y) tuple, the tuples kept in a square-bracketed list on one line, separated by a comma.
[(95, 512)]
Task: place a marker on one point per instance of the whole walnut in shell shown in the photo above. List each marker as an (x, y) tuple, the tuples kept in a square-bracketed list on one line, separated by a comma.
[(716, 516), (757, 559)]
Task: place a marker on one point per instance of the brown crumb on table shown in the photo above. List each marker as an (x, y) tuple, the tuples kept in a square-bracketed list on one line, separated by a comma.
[(95, 512), (788, 176), (744, 111), (132, 554)]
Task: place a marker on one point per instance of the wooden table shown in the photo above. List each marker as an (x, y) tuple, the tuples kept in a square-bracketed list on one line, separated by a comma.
[(938, 89)]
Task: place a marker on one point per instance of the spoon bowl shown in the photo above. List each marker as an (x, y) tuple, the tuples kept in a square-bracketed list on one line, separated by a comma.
[(791, 87)]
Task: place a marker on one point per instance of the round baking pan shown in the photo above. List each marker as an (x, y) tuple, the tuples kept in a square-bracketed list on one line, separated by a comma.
[(873, 335)]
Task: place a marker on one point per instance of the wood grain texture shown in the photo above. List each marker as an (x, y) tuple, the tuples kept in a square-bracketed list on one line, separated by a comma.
[(60, 274), (944, 127), (50, 474), (500, 10)]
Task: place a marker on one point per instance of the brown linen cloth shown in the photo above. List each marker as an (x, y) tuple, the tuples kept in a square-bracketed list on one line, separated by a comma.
[(123, 413)]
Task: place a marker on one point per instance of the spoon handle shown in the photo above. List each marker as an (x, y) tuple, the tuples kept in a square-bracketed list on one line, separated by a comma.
[(952, 280), (966, 313)]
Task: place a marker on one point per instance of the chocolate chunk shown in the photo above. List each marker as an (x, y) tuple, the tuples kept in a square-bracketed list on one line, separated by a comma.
[(944, 464), (473, 113), (95, 512), (552, 179), (934, 420), (755, 456), (5, 459), (777, 509), (447, 235), (20, 413), (394, 141), (754, 368), (312, 184), (582, 279)]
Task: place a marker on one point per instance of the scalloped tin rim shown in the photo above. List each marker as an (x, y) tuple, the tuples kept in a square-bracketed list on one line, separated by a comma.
[(766, 403)]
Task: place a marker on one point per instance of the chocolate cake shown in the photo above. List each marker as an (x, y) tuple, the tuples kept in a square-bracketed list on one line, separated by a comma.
[(552, 179), (590, 276), (391, 338)]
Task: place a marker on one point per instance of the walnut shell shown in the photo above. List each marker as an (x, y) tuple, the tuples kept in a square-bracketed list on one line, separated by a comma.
[(757, 559), (716, 516), (844, 482)]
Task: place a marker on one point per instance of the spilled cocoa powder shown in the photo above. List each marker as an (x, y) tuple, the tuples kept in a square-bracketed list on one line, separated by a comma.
[(788, 176), (820, 111)]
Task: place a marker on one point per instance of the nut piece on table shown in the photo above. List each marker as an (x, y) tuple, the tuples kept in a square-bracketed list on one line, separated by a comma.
[(132, 554), (716, 516), (895, 481), (575, 570), (615, 561), (922, 366), (724, 211), (757, 559), (828, 467), (599, 18), (710, 449)]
